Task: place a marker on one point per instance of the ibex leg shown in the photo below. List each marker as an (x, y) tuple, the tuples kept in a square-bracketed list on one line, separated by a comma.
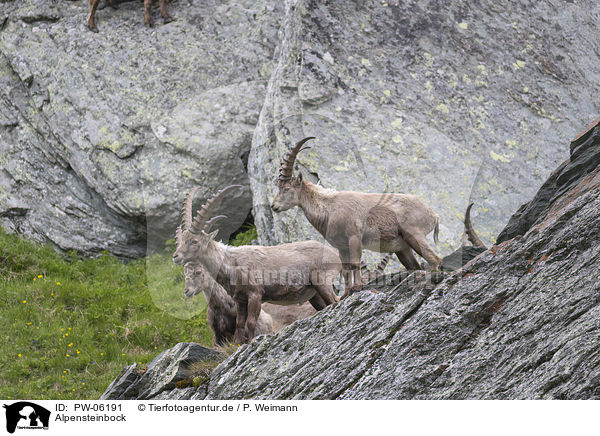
[(163, 11), (407, 259), (347, 272), (240, 322), (148, 13), (419, 244), (355, 249), (92, 15), (317, 302), (252, 317), (326, 293)]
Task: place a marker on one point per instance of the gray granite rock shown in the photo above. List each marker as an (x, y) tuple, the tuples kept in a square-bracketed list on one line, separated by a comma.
[(102, 135)]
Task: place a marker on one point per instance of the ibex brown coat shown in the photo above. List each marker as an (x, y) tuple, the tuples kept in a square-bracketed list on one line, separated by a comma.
[(221, 309)]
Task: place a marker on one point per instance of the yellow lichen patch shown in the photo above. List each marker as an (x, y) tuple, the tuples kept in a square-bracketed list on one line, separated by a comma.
[(397, 139), (463, 25), (397, 123), (511, 144), (518, 64), (428, 59), (499, 157), (443, 108), (365, 62)]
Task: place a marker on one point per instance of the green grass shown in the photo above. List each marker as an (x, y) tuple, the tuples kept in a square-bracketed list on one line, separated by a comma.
[(69, 325), (245, 238)]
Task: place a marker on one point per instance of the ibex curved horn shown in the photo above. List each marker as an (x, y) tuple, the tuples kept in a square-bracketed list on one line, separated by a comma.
[(384, 262), (470, 231), (178, 234), (211, 222), (287, 165), (186, 211), (204, 213)]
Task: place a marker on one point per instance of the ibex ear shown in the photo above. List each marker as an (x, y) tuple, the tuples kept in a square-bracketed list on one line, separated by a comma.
[(212, 235), (299, 177)]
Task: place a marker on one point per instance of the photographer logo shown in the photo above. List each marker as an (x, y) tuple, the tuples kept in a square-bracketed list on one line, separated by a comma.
[(26, 415)]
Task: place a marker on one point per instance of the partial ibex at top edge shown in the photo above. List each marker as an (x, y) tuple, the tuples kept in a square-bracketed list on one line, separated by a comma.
[(147, 13), (351, 221)]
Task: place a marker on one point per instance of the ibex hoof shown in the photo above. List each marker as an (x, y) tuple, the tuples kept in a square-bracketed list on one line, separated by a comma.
[(92, 29), (168, 19), (149, 24)]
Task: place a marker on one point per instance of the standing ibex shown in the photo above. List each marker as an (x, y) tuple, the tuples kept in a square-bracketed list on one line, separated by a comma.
[(147, 12), (284, 274), (351, 221)]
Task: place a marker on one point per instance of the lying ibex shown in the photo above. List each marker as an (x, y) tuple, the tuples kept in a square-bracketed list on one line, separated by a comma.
[(351, 221), (220, 310), (147, 13), (284, 274), (283, 316)]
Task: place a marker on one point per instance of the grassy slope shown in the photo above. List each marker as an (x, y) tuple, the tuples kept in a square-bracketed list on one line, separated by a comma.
[(68, 326)]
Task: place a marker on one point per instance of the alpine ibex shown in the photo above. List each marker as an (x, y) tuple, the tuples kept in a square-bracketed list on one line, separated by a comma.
[(351, 221), (284, 274), (147, 13)]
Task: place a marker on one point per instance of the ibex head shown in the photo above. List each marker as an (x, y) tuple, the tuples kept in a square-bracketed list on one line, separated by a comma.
[(287, 195), (194, 279), (193, 237)]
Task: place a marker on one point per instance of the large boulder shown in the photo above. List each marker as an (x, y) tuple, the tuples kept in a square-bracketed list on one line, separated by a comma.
[(102, 135), (450, 100), (172, 368)]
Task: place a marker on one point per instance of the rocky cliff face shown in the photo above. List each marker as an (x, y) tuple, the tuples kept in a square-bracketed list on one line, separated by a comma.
[(520, 321), (101, 135)]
